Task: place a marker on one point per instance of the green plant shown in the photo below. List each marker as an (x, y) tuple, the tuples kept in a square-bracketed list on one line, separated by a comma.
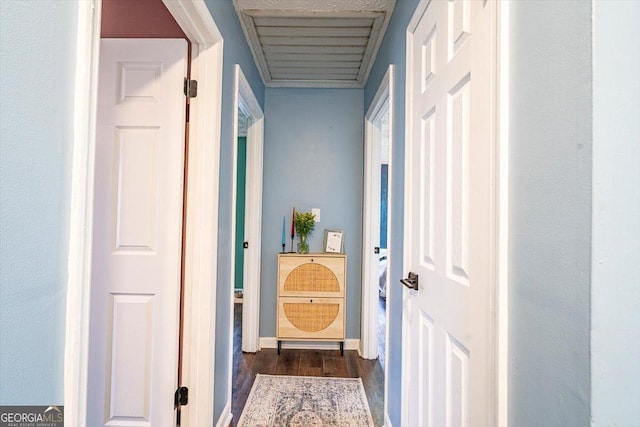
[(305, 222)]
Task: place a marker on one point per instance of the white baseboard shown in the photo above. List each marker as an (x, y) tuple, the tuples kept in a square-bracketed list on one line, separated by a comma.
[(272, 342), (226, 417)]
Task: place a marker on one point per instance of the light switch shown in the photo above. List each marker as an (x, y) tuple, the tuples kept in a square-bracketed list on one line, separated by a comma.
[(316, 213)]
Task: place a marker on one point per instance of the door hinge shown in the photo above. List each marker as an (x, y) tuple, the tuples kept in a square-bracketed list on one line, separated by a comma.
[(190, 88), (245, 245), (182, 396)]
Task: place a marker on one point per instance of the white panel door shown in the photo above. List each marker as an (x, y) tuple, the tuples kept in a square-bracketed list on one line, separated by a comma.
[(135, 289), (448, 229)]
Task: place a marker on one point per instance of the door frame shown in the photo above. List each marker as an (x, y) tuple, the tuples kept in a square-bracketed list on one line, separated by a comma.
[(382, 104), (500, 207), (201, 233), (245, 100)]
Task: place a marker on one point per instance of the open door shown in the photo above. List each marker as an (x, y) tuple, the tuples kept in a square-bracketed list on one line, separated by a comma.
[(135, 290), (449, 328)]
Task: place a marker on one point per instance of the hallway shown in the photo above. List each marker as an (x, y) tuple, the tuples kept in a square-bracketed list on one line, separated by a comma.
[(557, 244), (323, 363)]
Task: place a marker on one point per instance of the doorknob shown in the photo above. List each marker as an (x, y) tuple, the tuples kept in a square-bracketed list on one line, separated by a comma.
[(411, 282)]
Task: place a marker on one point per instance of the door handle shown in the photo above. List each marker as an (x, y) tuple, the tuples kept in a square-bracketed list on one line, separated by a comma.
[(411, 282)]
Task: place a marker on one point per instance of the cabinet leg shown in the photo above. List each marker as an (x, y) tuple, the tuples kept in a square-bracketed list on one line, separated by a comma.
[(341, 348), (279, 346)]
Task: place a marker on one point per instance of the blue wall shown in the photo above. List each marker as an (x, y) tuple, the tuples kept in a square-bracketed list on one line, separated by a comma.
[(37, 69), (615, 282), (313, 158), (392, 51), (236, 51), (550, 213)]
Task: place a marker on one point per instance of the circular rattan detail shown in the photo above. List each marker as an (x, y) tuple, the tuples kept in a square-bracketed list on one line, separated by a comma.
[(311, 277), (311, 317)]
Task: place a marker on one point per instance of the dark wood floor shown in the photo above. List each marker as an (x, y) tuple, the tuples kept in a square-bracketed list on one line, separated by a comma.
[(323, 363)]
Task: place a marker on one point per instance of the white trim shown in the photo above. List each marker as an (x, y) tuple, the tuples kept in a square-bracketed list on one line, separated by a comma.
[(81, 214), (316, 84), (226, 417), (272, 342), (371, 238), (417, 15), (196, 22), (201, 250), (202, 210), (387, 420), (502, 182), (201, 239), (501, 208), (390, 239), (245, 100), (382, 104)]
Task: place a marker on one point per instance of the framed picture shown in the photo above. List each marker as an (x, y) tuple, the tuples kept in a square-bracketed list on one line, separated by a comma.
[(334, 241)]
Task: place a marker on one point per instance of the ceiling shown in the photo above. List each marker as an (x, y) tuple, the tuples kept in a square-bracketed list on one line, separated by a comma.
[(314, 43)]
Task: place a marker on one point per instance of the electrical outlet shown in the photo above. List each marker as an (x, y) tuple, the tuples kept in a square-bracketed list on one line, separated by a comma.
[(316, 213)]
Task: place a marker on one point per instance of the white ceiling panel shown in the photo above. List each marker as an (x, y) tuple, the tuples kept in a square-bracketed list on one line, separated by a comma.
[(314, 43)]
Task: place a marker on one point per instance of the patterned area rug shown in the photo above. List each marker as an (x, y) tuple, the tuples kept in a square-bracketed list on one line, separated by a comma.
[(285, 401)]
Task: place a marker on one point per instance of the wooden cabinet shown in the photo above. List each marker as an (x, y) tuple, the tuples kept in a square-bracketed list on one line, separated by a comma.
[(311, 296)]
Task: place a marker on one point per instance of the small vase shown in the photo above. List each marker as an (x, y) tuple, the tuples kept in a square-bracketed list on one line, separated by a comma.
[(303, 245)]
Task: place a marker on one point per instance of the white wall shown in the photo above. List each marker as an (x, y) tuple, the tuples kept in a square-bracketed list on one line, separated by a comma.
[(615, 281), (37, 66)]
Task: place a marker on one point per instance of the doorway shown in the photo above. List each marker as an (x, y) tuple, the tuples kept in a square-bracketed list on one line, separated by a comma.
[(247, 197), (241, 189), (201, 210), (376, 243), (138, 223), (248, 141)]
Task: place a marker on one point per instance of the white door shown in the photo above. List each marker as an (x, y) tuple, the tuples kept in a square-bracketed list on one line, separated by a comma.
[(447, 322), (135, 289)]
